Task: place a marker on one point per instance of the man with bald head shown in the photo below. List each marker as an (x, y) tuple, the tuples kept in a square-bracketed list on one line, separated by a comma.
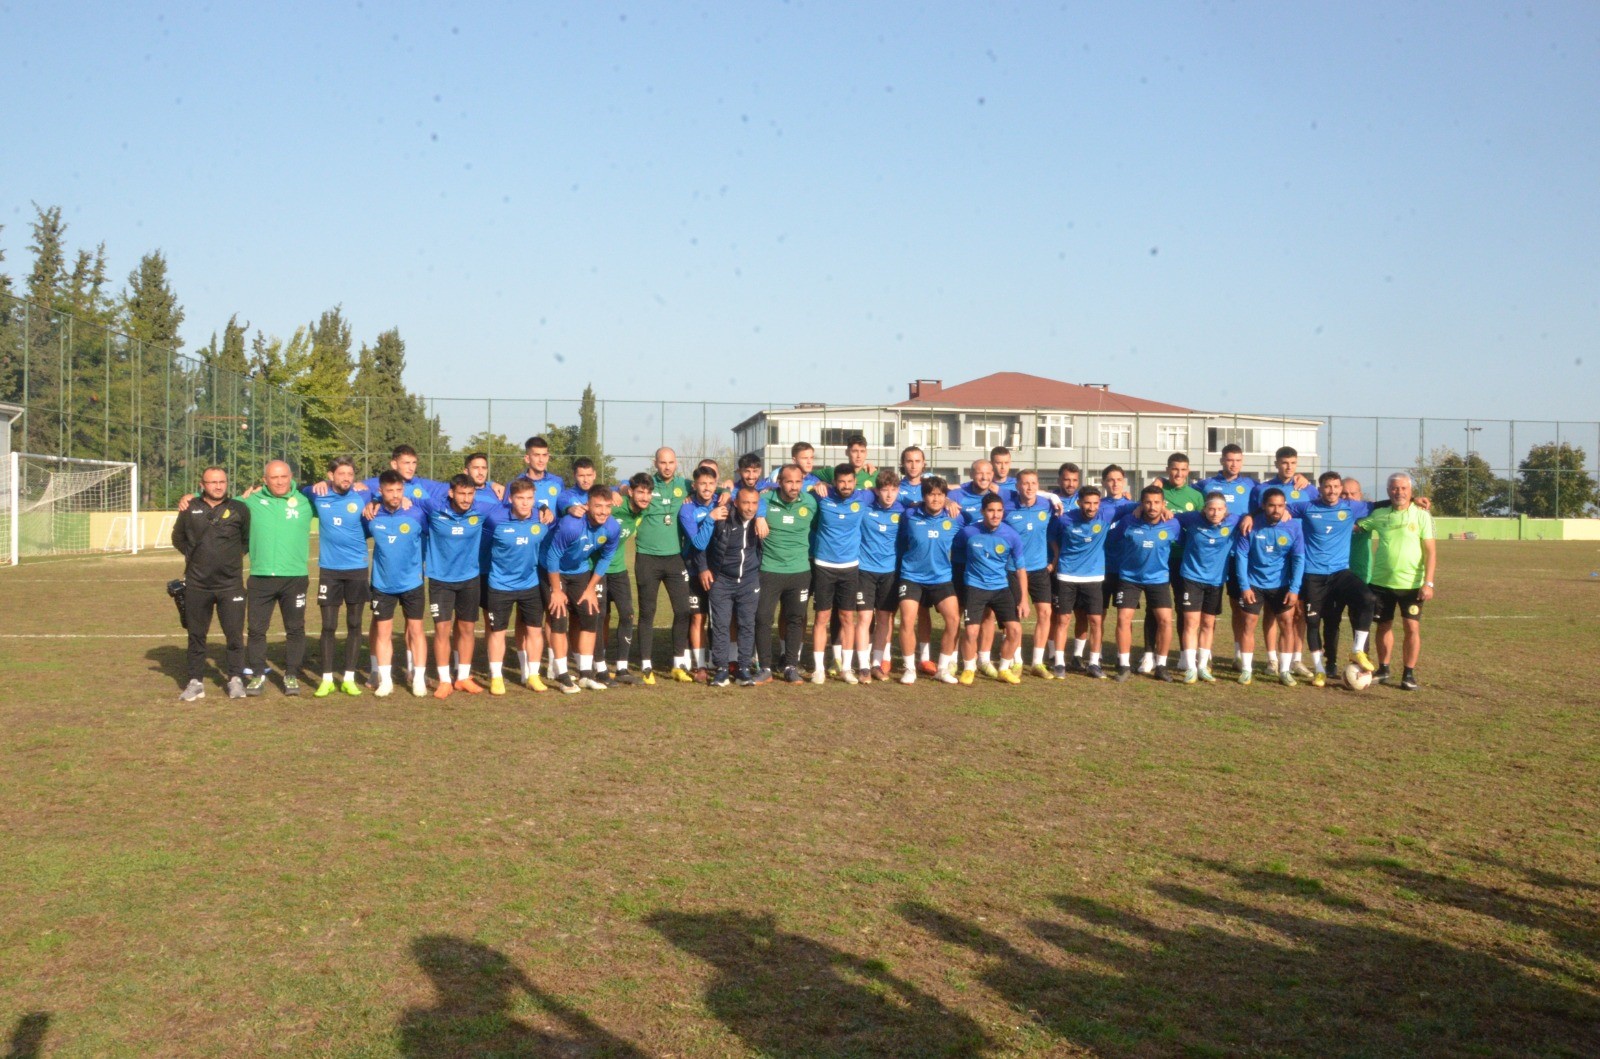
[(280, 548), (658, 562)]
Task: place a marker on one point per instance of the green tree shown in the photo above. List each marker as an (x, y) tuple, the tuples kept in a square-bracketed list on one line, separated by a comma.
[(586, 442), (49, 270), (85, 293), (331, 421), (1461, 486), (150, 309), (1553, 482), (391, 414)]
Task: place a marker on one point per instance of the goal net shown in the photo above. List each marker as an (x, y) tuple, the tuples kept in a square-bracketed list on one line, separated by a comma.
[(52, 505)]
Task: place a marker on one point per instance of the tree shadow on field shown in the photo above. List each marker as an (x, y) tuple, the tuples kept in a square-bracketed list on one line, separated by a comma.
[(789, 997), (27, 1039), (477, 987), (1243, 976)]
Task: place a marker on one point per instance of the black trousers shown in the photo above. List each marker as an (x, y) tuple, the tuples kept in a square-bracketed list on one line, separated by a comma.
[(792, 591), (652, 572), (288, 596), (619, 595), (730, 601), (1327, 597), (198, 603)]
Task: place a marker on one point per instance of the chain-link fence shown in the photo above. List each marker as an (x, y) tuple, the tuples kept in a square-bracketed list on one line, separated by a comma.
[(88, 391)]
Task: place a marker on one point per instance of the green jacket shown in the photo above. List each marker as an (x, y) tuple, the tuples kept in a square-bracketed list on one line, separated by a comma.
[(280, 534)]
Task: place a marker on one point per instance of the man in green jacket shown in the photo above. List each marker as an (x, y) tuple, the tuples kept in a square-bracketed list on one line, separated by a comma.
[(280, 551)]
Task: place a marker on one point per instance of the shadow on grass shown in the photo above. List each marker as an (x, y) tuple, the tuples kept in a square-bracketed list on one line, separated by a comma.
[(477, 988), (1249, 978), (174, 661), (27, 1040), (786, 995)]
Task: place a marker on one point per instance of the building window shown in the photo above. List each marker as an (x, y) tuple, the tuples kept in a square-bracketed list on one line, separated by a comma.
[(1116, 437), (986, 433), (1055, 432), (772, 433), (1217, 438), (1174, 437)]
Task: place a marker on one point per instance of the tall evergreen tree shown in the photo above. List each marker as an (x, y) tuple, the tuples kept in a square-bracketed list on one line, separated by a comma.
[(391, 414), (587, 442), (49, 257), (150, 309)]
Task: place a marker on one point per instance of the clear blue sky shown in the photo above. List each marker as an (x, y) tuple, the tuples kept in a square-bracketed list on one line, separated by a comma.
[(1355, 208)]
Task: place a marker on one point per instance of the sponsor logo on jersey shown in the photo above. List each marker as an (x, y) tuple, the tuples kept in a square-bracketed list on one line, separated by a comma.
[(999, 549), (350, 507), (1343, 515), (1043, 516), (294, 501), (805, 512), (895, 517), (1226, 531), (855, 507), (946, 523), (1239, 489), (472, 520), (1097, 527), (1282, 539), (600, 539), (678, 491), (226, 513), (1162, 535)]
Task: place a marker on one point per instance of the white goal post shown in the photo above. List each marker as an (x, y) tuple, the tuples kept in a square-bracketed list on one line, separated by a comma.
[(57, 505)]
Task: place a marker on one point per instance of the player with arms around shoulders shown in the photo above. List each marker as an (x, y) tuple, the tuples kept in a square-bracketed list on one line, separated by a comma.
[(455, 559), (280, 555), (579, 554), (1029, 518), (786, 572), (1269, 563), (398, 533), (696, 520), (878, 581), (213, 534), (658, 564), (1208, 539), (927, 534), (835, 566), (1143, 540), (342, 579), (516, 539), (996, 584), (1078, 554), (1403, 568)]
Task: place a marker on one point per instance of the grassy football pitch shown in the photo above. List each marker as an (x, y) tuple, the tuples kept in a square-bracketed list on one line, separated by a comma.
[(1062, 868)]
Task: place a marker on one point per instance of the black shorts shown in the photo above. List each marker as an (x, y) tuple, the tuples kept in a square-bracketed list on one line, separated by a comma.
[(1231, 583), (1342, 589), (588, 617), (1156, 597), (1409, 600), (833, 588), (456, 600), (1000, 601), (1198, 596), (526, 603), (1272, 600), (349, 587), (410, 604), (876, 591), (926, 596), (1038, 588), (1081, 597), (699, 598)]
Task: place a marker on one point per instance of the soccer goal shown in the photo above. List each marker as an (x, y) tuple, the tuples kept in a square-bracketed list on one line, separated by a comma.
[(54, 505)]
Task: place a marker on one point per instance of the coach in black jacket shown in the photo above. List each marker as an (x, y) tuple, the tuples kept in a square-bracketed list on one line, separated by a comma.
[(213, 535), (734, 559)]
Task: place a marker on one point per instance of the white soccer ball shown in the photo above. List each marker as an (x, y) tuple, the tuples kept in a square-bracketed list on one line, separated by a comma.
[(1356, 678)]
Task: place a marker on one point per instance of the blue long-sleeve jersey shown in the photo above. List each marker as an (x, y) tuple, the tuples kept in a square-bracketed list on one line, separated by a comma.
[(1207, 549), (1032, 525), (417, 490), (925, 543), (1291, 493), (397, 545), (578, 546), (694, 527), (1081, 544), (1239, 493), (990, 554), (1271, 556), (455, 540), (572, 496), (1144, 549), (547, 490), (341, 538), (515, 546), (836, 535), (880, 537), (971, 501), (910, 492), (1327, 529)]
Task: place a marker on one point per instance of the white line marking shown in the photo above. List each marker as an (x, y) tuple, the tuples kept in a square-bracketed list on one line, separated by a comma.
[(1487, 617), (90, 636)]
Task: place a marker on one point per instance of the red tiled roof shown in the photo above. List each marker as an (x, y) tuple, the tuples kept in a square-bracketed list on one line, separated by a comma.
[(1014, 389)]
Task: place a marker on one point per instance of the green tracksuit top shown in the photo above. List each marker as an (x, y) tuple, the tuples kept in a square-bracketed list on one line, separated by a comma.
[(629, 521), (658, 529), (787, 549), (280, 533)]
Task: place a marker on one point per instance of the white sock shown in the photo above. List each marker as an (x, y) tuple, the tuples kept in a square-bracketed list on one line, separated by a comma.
[(463, 671), (911, 662), (444, 674), (561, 666), (586, 663), (1038, 657), (497, 670), (410, 662), (622, 666), (1016, 659), (946, 662), (877, 657), (1188, 658), (382, 671), (350, 676), (1317, 662), (599, 665), (1077, 647), (1205, 658), (817, 659), (682, 661), (970, 665), (1286, 661), (646, 666), (1123, 658), (1005, 664), (924, 651), (328, 677), (837, 649), (986, 659), (1148, 657), (847, 659), (1247, 662), (1094, 658), (1360, 642)]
